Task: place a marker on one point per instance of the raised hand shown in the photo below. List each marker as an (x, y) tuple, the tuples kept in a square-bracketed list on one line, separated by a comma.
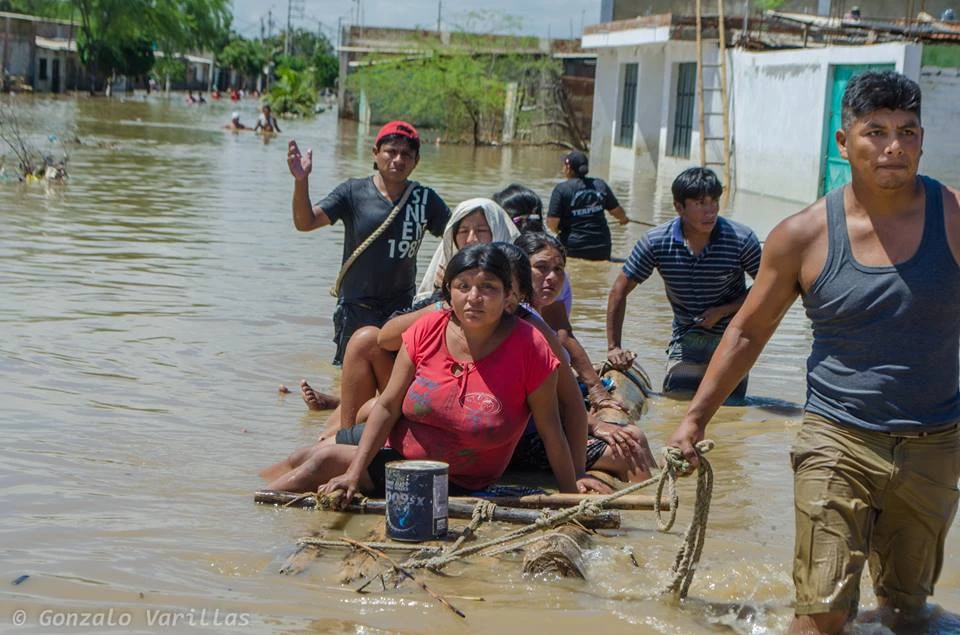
[(300, 165)]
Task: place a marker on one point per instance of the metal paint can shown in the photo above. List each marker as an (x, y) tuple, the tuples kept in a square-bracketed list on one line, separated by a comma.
[(416, 500)]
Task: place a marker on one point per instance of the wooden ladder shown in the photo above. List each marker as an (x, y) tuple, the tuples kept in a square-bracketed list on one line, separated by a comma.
[(718, 85)]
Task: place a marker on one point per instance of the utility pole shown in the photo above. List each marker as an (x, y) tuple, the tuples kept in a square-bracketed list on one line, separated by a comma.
[(270, 23), (261, 28), (286, 39), (439, 14)]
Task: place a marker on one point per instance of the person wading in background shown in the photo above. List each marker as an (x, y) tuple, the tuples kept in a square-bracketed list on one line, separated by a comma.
[(576, 211)]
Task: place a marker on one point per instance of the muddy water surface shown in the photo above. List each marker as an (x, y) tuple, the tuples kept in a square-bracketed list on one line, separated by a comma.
[(149, 308)]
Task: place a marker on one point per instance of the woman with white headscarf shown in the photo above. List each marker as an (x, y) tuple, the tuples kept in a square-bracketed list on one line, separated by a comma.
[(474, 220)]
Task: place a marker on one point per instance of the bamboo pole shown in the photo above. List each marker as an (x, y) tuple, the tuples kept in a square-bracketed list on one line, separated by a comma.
[(703, 130), (722, 53), (456, 508)]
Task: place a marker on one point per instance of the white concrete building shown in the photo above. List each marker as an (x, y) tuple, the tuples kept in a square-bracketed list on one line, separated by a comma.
[(783, 105)]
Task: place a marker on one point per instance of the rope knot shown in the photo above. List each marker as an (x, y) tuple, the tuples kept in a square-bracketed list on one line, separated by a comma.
[(678, 462), (588, 509), (483, 511)]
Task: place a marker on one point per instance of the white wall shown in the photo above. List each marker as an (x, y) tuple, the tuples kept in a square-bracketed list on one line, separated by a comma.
[(940, 112), (669, 166), (780, 102), (642, 154), (604, 111)]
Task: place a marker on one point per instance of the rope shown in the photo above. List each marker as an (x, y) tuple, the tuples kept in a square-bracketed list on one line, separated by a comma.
[(675, 464), (687, 556), (636, 374), (482, 512), (335, 289), (691, 547)]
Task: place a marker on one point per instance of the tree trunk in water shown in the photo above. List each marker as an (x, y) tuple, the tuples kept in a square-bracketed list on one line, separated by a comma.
[(558, 552)]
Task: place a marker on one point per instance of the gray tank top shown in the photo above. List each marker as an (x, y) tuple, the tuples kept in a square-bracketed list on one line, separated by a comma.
[(886, 340)]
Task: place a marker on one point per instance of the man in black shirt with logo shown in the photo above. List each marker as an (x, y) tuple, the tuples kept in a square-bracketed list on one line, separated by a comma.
[(381, 278), (576, 211)]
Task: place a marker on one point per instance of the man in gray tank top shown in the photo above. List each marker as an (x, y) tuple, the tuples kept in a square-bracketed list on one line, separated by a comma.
[(877, 459)]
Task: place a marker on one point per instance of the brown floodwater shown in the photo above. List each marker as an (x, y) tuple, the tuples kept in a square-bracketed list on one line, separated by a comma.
[(150, 307)]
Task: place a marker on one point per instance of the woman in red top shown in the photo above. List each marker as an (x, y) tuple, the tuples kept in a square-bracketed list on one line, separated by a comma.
[(454, 393)]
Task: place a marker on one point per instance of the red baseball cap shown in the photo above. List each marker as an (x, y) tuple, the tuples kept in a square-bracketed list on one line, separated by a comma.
[(401, 128)]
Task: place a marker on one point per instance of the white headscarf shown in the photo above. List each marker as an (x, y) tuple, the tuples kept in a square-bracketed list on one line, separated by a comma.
[(501, 228)]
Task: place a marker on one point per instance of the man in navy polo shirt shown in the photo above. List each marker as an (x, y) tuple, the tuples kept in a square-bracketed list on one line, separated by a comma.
[(702, 259)]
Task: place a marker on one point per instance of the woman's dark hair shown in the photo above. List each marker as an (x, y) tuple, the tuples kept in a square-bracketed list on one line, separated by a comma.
[(520, 265), (534, 242), (482, 256), (696, 183), (523, 205), (878, 90)]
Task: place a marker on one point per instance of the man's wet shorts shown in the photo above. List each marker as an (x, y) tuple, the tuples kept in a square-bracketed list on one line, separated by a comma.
[(865, 496)]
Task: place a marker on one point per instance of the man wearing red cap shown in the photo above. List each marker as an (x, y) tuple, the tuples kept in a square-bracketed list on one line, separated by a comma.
[(380, 278)]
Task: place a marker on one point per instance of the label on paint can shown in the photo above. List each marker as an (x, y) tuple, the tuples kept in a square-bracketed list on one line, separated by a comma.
[(416, 500)]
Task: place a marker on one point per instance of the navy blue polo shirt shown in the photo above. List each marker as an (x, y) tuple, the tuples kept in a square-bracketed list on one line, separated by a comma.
[(696, 282)]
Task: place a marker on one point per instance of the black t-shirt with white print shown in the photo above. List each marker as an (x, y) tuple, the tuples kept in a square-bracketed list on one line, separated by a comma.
[(387, 270), (580, 204)]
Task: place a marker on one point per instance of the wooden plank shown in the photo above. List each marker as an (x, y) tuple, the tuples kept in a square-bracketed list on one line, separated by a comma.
[(456, 508)]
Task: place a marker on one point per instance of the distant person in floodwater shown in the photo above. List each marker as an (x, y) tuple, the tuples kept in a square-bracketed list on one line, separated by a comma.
[(702, 258), (235, 123), (576, 211), (382, 279), (877, 458), (266, 121)]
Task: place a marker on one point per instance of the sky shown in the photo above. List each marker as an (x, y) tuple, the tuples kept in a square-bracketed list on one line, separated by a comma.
[(554, 18)]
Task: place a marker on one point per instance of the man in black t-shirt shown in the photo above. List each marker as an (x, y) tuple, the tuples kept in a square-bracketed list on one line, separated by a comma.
[(382, 279), (576, 211)]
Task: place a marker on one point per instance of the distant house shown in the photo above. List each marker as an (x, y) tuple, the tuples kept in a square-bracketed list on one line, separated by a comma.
[(784, 81), (37, 54)]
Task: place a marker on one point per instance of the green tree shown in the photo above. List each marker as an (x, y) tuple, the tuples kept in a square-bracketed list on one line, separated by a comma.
[(42, 8), (459, 88), (293, 92), (116, 35), (172, 68), (326, 69), (246, 57)]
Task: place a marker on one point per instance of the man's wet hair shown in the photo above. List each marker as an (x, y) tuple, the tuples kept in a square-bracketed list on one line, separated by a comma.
[(878, 90), (696, 183)]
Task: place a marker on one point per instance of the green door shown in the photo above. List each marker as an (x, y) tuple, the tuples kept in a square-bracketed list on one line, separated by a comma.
[(836, 170)]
